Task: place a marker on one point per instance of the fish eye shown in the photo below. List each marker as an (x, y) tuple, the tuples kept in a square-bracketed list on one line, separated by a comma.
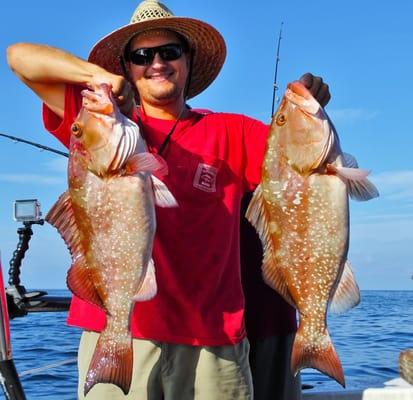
[(76, 130), (280, 120)]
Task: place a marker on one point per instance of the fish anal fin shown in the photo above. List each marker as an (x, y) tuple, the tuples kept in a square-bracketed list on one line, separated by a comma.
[(163, 197), (321, 356), (81, 284), (347, 293), (148, 289), (274, 278), (112, 362), (272, 274)]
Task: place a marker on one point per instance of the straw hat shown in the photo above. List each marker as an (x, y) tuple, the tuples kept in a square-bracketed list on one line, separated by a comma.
[(206, 42)]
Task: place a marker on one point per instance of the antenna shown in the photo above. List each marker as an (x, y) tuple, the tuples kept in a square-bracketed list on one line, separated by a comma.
[(40, 146), (274, 97)]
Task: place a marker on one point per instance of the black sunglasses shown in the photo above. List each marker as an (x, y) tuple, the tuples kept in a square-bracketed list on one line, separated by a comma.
[(145, 56)]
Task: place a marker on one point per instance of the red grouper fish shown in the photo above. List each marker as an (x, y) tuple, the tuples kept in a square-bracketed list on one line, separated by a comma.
[(300, 211), (107, 219)]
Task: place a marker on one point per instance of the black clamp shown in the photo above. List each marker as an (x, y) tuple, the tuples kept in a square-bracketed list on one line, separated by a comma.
[(19, 301)]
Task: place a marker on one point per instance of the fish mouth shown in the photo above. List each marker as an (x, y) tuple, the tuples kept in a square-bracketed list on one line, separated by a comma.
[(304, 102), (299, 95)]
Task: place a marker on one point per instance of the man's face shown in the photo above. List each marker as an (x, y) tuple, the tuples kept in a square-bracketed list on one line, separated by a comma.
[(160, 82)]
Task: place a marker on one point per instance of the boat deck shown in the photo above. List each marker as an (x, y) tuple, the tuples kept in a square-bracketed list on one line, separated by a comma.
[(396, 389)]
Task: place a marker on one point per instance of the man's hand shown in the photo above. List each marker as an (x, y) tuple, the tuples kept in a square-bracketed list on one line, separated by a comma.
[(317, 87), (121, 90), (124, 95)]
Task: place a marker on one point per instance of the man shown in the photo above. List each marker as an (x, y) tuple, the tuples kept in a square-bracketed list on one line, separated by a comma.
[(190, 340), (270, 322)]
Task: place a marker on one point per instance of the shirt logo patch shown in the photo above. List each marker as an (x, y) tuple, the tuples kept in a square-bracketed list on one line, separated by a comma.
[(206, 178)]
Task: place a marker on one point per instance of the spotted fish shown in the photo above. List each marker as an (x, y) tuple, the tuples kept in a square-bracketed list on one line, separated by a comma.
[(107, 219), (300, 211), (406, 365)]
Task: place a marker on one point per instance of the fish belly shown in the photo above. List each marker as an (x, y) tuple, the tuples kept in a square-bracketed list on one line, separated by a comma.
[(118, 221)]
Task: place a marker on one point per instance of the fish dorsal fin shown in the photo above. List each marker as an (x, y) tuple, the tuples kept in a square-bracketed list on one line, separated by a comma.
[(61, 216), (79, 281), (148, 288), (359, 187), (272, 275), (163, 197), (347, 293)]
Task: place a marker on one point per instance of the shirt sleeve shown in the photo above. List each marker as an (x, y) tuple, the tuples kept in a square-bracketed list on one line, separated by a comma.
[(58, 127), (255, 139)]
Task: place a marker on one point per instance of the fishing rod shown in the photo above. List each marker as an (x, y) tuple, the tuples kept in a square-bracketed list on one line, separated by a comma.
[(40, 146), (276, 70)]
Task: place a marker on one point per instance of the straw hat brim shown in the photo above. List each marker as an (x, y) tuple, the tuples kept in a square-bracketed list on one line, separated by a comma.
[(208, 46)]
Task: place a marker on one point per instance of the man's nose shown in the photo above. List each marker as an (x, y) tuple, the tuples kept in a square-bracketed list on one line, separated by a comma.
[(158, 60)]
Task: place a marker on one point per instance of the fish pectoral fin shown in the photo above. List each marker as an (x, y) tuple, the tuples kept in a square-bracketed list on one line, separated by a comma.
[(359, 187), (347, 293), (112, 362), (163, 197), (146, 162), (149, 288), (362, 190), (272, 274), (350, 161), (80, 282), (349, 173)]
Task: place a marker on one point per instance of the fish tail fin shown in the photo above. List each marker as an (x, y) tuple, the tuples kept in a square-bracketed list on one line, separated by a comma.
[(323, 358), (112, 362)]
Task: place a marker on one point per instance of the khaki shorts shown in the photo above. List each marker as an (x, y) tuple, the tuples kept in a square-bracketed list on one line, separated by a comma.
[(164, 371)]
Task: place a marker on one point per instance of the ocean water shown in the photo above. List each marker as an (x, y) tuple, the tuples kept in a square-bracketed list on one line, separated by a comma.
[(368, 340)]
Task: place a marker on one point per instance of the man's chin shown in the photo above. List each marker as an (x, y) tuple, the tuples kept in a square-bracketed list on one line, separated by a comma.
[(166, 97)]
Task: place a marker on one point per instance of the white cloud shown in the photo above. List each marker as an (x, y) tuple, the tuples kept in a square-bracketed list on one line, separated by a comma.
[(31, 178), (395, 185), (57, 164), (392, 179), (352, 114)]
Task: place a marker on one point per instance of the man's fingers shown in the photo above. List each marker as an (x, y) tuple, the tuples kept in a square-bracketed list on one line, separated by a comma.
[(307, 80), (317, 88), (323, 96), (126, 101)]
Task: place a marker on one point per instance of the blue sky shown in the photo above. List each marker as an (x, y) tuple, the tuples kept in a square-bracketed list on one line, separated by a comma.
[(362, 49)]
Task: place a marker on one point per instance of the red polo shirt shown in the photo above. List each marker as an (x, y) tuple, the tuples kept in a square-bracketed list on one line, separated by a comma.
[(213, 160)]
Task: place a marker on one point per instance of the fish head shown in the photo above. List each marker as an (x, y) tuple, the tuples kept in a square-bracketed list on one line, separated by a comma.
[(304, 134), (98, 131)]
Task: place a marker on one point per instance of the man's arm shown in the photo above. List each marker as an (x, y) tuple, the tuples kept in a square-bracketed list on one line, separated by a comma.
[(46, 70)]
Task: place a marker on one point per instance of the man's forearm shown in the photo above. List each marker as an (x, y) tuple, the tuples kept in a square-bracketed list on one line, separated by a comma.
[(44, 64)]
